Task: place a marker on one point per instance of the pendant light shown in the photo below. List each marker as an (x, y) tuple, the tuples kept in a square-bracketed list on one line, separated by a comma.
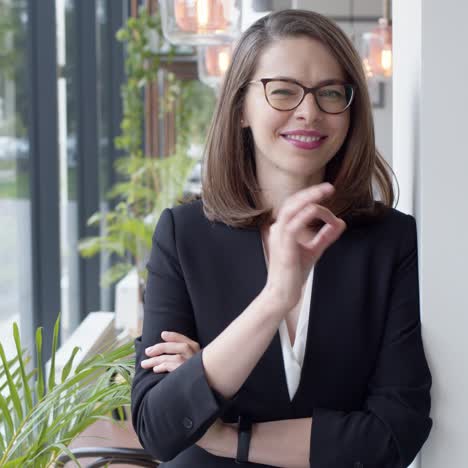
[(376, 47), (213, 61), (200, 22)]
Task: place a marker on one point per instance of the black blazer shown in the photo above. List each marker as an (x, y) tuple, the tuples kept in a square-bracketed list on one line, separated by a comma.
[(365, 380)]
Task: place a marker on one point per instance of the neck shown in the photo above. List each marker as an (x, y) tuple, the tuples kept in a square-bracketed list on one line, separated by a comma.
[(274, 191)]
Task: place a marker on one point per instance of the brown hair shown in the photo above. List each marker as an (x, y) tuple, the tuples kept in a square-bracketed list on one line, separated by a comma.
[(230, 190)]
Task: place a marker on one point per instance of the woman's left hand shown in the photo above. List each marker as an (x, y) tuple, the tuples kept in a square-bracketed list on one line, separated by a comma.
[(168, 356)]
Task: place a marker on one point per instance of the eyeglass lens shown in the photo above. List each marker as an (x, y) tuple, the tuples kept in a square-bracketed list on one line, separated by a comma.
[(283, 95)]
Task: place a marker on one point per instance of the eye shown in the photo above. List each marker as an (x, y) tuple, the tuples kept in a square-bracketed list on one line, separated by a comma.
[(286, 92), (330, 93)]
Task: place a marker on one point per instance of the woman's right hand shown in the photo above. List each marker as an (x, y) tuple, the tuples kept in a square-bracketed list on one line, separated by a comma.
[(294, 247)]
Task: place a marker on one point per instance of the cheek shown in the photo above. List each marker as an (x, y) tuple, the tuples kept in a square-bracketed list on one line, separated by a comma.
[(341, 127), (267, 124)]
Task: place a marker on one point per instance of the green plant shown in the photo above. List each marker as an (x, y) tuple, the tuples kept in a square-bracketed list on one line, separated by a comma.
[(147, 185), (40, 417), (129, 227)]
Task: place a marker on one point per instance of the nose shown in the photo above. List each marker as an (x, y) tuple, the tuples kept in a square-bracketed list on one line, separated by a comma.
[(308, 109)]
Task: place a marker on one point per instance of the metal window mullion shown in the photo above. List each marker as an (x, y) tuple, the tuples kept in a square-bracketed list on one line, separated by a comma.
[(118, 12), (44, 170), (87, 144)]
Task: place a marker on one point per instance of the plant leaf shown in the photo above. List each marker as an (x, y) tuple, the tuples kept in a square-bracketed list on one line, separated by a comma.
[(67, 367), (62, 448), (90, 246), (40, 370), (2, 443), (24, 377), (13, 391), (114, 273), (9, 427), (51, 384)]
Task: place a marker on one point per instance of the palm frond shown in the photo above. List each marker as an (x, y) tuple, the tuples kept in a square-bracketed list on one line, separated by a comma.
[(13, 391), (22, 367), (36, 433), (114, 273)]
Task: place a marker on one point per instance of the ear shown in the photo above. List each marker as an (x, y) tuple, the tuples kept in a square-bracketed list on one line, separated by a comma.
[(244, 123)]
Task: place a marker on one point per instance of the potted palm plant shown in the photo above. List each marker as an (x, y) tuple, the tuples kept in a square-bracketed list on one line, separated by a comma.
[(41, 413)]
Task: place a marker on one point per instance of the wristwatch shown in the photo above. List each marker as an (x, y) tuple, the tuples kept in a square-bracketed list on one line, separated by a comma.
[(243, 439)]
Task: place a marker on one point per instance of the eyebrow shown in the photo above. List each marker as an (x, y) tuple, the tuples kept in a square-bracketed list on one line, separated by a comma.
[(320, 83)]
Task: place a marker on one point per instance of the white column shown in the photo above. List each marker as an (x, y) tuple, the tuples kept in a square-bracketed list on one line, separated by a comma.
[(430, 129)]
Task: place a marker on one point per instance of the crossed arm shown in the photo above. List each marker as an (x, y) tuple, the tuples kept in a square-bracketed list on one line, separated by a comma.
[(277, 443), (284, 443)]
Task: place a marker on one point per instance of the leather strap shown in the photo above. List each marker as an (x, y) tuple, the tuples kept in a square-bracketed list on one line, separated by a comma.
[(243, 439)]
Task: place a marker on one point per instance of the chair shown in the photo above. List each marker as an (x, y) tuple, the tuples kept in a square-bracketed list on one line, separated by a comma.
[(110, 455)]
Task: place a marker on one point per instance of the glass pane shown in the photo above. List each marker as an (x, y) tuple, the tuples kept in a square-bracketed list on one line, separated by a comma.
[(67, 117), (15, 209)]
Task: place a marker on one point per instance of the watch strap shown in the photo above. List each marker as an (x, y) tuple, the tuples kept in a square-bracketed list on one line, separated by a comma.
[(243, 439)]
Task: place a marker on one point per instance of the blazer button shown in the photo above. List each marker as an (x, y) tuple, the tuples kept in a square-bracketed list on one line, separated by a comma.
[(188, 423)]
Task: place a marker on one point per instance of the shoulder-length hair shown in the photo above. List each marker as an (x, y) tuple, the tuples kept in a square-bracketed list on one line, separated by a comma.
[(230, 189)]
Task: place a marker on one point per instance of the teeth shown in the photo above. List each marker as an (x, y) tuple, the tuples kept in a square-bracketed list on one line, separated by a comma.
[(303, 138)]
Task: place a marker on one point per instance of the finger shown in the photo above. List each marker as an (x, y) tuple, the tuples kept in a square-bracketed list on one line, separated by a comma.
[(166, 367), (155, 361), (170, 348), (300, 226), (179, 338), (299, 200), (326, 236)]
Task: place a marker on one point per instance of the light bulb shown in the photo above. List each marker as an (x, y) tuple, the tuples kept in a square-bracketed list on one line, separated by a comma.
[(223, 61), (386, 61), (202, 13)]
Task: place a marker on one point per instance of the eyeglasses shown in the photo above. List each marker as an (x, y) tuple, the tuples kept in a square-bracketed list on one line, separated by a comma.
[(286, 95)]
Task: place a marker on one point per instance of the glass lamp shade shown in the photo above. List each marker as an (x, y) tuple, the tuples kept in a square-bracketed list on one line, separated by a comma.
[(376, 51), (213, 61), (200, 22)]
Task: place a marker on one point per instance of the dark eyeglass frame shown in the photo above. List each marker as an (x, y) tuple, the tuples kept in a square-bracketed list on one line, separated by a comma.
[(306, 91)]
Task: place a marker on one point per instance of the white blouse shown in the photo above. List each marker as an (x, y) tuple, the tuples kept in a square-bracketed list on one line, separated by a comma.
[(293, 356)]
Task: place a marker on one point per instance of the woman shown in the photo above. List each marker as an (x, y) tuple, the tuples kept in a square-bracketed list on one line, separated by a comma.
[(288, 295)]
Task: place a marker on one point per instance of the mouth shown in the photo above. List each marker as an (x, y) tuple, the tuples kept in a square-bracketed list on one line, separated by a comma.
[(304, 142)]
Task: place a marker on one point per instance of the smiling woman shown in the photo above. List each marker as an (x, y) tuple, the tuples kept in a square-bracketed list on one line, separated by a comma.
[(284, 139), (289, 292)]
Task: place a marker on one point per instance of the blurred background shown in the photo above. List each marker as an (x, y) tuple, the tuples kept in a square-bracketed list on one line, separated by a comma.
[(104, 106)]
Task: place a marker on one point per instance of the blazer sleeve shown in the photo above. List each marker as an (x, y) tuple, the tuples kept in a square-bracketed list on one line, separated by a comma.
[(394, 422), (170, 411)]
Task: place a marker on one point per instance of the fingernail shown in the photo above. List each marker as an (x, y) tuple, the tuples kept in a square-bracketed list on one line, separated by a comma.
[(149, 349), (165, 334)]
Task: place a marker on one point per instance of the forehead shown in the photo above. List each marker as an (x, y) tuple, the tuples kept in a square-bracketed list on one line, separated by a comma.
[(302, 58)]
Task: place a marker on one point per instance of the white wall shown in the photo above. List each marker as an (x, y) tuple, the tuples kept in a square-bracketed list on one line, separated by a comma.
[(431, 159)]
